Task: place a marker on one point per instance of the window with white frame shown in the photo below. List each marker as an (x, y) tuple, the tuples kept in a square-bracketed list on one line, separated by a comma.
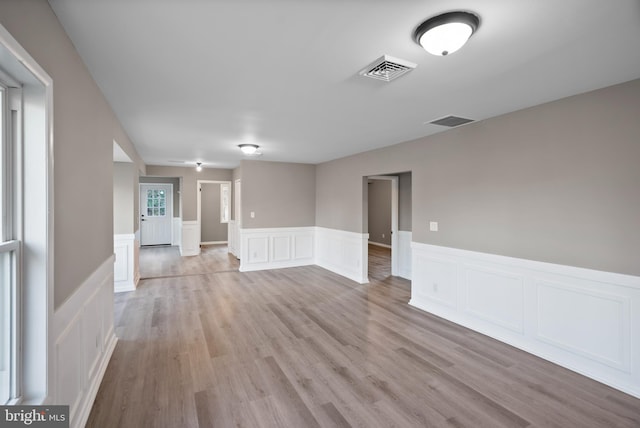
[(26, 233), (225, 202), (9, 242)]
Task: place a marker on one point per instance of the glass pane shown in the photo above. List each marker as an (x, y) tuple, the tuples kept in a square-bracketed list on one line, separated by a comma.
[(149, 194), (155, 202), (155, 212), (149, 211), (162, 212), (149, 202), (161, 192)]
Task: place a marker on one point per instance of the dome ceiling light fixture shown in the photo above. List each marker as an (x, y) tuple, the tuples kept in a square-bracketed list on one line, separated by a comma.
[(198, 166), (444, 34), (249, 149)]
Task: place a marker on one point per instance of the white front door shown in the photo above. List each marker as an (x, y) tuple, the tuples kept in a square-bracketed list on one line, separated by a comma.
[(155, 214)]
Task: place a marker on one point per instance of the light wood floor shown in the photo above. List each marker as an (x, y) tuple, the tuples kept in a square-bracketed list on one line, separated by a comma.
[(202, 345)]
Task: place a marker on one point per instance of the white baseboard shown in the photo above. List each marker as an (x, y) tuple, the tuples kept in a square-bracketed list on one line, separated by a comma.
[(190, 243), (378, 244), (276, 248), (578, 318), (125, 269), (213, 243), (84, 339), (344, 253), (92, 389)]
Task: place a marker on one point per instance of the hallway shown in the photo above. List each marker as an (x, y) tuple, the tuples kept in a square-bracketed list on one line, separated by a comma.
[(202, 345)]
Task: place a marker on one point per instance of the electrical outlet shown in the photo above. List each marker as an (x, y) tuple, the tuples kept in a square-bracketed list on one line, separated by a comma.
[(383, 235), (253, 214), (433, 226)]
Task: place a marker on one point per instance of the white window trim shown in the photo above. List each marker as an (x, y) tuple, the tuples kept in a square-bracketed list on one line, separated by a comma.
[(35, 226), (224, 219)]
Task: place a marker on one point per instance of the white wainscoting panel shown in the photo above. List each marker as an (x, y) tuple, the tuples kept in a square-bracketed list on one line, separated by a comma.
[(176, 231), (190, 244), (578, 318), (404, 254), (345, 253), (274, 248), (125, 268), (233, 235), (84, 340)]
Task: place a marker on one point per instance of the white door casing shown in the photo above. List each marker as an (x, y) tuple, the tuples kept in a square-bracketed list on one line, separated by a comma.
[(156, 214), (394, 219)]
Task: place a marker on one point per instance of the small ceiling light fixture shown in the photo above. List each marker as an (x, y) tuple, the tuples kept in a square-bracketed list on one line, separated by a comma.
[(249, 149), (198, 166), (444, 34)]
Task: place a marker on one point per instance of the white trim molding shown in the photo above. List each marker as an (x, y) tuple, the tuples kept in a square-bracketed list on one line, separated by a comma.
[(233, 233), (578, 318), (125, 268), (275, 248), (84, 340), (378, 244), (344, 253), (404, 254), (213, 243), (190, 244), (176, 234)]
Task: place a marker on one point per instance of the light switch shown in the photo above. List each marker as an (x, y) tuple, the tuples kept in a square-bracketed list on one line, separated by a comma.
[(253, 214), (433, 226)]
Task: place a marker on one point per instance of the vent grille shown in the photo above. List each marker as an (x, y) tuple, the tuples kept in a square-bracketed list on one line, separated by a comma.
[(387, 68), (451, 121)]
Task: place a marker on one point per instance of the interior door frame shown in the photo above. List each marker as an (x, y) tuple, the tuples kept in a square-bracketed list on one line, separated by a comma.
[(140, 208), (394, 218), (199, 184)]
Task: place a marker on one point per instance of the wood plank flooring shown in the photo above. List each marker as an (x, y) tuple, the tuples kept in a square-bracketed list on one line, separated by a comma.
[(202, 345)]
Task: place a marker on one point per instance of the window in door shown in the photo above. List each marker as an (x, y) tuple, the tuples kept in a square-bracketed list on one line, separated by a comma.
[(156, 203)]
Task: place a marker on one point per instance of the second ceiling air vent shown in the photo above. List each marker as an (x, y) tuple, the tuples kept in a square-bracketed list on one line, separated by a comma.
[(387, 68), (451, 121)]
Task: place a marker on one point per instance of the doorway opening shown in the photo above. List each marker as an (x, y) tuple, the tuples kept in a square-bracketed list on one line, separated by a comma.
[(214, 212), (382, 225), (387, 218)]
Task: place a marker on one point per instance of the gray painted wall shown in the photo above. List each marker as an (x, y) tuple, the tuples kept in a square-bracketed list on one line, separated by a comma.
[(555, 183), (210, 227), (125, 181), (380, 211), (189, 177), (404, 201), (175, 181), (281, 194), (84, 130)]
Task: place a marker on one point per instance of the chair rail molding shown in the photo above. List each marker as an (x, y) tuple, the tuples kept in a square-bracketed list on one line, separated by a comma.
[(578, 318), (344, 253), (84, 340), (274, 248), (190, 242), (126, 272)]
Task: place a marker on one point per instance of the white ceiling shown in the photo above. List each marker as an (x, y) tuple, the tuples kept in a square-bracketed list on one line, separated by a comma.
[(192, 79)]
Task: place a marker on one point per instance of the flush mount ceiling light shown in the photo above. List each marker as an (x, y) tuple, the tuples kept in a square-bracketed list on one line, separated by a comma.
[(444, 34), (249, 149), (198, 166)]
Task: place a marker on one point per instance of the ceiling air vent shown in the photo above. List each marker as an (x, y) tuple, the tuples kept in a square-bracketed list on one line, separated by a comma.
[(387, 68), (451, 121)]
